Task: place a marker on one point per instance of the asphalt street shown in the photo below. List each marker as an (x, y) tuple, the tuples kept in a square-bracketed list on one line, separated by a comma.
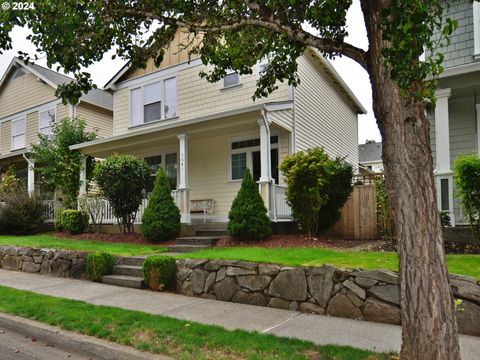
[(15, 346)]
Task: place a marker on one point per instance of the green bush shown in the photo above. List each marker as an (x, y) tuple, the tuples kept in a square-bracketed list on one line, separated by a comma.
[(317, 188), (57, 222), (161, 218), (99, 264), (337, 188), (467, 181), (21, 213), (122, 179), (248, 218), (159, 272), (73, 221)]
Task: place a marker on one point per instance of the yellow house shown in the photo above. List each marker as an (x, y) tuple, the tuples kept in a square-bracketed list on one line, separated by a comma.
[(28, 107), (206, 134)]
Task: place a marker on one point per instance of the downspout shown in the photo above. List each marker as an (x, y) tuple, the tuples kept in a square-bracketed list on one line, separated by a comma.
[(30, 166), (264, 113)]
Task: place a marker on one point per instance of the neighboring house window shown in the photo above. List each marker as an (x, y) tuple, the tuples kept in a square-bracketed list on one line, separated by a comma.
[(444, 194), (19, 127), (146, 102), (166, 161), (231, 78), (246, 154), (46, 119), (476, 29)]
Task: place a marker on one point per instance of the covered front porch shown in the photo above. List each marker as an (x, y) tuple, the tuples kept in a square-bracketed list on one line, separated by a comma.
[(205, 162)]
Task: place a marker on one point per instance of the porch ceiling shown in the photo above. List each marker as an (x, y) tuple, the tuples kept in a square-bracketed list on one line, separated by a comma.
[(149, 141)]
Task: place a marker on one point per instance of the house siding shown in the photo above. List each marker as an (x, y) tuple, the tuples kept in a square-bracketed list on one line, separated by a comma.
[(6, 137), (62, 112), (283, 118), (323, 117), (23, 93), (461, 48), (197, 97), (32, 128), (97, 119)]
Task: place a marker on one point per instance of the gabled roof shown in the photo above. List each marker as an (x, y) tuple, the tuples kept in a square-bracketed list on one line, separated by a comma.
[(370, 152), (95, 97)]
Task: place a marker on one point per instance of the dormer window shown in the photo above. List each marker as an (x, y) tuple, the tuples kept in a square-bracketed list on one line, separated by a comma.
[(153, 102), (232, 78)]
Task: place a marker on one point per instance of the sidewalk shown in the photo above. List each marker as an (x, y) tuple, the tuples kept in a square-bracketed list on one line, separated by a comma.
[(316, 328)]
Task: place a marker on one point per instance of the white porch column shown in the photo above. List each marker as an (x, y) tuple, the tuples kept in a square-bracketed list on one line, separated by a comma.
[(183, 190), (31, 177), (442, 133), (83, 176), (443, 172), (265, 161)]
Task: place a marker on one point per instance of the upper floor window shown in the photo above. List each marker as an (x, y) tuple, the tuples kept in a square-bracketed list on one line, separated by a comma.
[(46, 119), (231, 78), (19, 128), (153, 102)]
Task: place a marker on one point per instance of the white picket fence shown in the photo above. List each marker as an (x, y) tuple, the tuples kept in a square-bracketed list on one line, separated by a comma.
[(280, 209)]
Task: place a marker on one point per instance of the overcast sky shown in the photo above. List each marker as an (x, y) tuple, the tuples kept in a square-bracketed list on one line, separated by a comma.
[(351, 72)]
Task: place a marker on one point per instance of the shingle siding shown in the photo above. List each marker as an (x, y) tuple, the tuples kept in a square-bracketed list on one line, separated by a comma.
[(461, 48)]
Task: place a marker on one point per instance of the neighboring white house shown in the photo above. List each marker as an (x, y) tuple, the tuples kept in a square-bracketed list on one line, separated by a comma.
[(370, 156), (28, 107), (455, 121), (205, 135)]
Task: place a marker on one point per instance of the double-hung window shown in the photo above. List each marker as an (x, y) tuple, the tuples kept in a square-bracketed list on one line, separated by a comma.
[(245, 154), (46, 119), (154, 101), (19, 128)]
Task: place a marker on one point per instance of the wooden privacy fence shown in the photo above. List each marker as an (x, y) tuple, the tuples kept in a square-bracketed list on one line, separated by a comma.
[(358, 220)]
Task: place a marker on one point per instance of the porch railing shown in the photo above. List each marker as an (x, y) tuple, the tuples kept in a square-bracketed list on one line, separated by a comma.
[(281, 210)]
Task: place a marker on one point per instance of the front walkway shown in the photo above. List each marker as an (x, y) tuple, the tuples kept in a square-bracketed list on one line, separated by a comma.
[(316, 328)]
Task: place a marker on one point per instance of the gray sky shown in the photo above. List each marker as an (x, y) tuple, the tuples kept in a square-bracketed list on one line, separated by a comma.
[(353, 74)]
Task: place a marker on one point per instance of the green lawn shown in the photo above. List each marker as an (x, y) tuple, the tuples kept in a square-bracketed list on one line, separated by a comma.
[(457, 264), (51, 242), (176, 338)]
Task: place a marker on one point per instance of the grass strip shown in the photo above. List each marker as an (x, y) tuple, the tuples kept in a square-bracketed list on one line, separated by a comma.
[(47, 241), (457, 264), (176, 338)]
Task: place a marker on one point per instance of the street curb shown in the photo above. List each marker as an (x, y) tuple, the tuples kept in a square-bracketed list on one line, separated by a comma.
[(77, 343)]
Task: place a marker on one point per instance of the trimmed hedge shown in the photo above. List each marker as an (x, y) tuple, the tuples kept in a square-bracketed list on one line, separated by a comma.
[(248, 219), (100, 264), (158, 272), (73, 221), (161, 218)]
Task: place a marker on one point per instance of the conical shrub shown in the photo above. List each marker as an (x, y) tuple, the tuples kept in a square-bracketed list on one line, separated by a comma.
[(248, 218), (161, 218)]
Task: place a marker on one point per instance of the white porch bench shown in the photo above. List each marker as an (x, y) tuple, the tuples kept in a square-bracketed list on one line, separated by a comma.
[(202, 206)]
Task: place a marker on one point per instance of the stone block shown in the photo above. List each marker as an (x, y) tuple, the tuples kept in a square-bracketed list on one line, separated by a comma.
[(341, 306), (468, 318), (311, 308), (198, 277), (210, 280), (279, 303), (237, 271), (225, 289), (289, 285), (365, 282), (11, 262), (254, 282), (357, 290), (465, 289), (31, 267), (268, 269), (383, 275), (379, 311), (387, 293), (320, 283), (242, 297)]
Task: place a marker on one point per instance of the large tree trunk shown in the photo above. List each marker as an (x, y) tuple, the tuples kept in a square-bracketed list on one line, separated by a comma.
[(429, 328)]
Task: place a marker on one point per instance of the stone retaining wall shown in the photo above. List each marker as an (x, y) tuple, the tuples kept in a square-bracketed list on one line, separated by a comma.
[(60, 263), (372, 295)]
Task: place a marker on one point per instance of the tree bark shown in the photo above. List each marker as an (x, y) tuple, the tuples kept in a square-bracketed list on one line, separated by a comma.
[(429, 328)]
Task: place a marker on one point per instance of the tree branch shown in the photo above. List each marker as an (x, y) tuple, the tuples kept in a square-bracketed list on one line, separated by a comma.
[(297, 34)]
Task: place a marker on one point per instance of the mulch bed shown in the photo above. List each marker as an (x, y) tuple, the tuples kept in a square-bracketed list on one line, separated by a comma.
[(299, 240)]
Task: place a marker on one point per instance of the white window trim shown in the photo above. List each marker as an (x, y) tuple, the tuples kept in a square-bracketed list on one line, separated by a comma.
[(45, 110), (248, 150), (162, 153), (438, 181), (24, 119), (476, 30), (162, 101)]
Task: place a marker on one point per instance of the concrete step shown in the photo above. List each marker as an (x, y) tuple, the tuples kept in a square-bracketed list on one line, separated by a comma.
[(128, 270), (125, 281), (131, 260), (211, 232), (186, 248), (197, 240)]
